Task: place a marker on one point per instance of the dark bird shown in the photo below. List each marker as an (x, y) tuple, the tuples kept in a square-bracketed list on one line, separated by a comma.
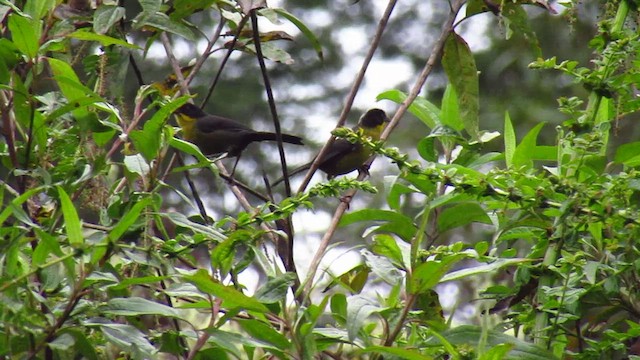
[(343, 157), (217, 135)]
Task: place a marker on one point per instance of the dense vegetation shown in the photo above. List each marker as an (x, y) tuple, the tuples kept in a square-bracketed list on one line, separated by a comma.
[(115, 244)]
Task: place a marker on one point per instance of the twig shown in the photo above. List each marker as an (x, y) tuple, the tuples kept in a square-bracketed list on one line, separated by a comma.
[(224, 60), (194, 191), (207, 51), (175, 65)]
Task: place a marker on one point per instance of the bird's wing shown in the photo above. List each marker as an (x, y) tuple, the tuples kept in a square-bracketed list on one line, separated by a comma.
[(339, 148), (211, 123)]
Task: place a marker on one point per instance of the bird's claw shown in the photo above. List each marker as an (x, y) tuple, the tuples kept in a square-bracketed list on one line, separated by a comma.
[(364, 169), (346, 199)]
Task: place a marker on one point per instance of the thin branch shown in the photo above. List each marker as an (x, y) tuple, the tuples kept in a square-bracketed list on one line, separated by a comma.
[(207, 51), (241, 25), (175, 65), (8, 127), (271, 100), (194, 191)]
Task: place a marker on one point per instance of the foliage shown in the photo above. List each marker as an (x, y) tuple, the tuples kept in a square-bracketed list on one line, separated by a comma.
[(94, 264)]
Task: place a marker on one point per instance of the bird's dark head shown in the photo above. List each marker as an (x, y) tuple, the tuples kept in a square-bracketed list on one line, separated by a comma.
[(190, 110), (373, 118)]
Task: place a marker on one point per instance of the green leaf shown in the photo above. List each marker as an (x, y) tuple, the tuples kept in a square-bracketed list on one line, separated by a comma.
[(317, 46), (184, 8), (37, 9), (429, 274), (359, 308), (128, 282), (483, 268), (82, 344), (476, 7), (86, 35), (460, 215), (72, 223), (471, 335), (498, 352), (271, 51), (423, 109), (90, 99), (9, 55), (396, 223), (191, 149), (450, 113), (517, 20), (136, 306), (395, 352), (628, 154), (17, 202), (275, 289), (47, 246), (180, 219), (397, 189), (263, 332), (68, 81), (338, 307), (230, 296), (460, 66), (136, 164), (232, 341), (509, 140), (150, 6), (73, 90), (523, 155), (382, 267), (128, 219), (148, 140), (427, 149), (63, 342), (25, 34), (162, 22), (545, 153), (106, 16), (386, 245), (127, 337)]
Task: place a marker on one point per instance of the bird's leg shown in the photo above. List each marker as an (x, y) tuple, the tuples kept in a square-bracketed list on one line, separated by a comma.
[(231, 180), (347, 200), (364, 169)]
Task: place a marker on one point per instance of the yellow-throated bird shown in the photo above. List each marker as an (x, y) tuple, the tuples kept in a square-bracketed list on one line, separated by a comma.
[(217, 135), (343, 157)]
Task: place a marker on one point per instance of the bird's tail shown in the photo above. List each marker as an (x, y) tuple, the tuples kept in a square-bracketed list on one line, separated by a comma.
[(269, 136), (293, 172)]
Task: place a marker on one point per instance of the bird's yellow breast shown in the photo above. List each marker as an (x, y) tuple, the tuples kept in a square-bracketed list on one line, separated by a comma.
[(188, 126)]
